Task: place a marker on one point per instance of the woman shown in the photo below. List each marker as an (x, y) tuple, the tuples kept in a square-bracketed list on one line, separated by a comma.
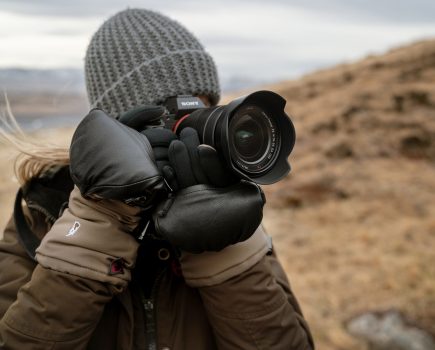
[(127, 265)]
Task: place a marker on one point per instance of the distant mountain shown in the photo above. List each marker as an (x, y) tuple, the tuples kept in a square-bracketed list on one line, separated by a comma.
[(40, 98), (42, 80), (233, 84), (71, 80)]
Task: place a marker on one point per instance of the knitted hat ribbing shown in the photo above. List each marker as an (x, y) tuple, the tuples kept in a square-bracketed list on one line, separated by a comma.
[(141, 57)]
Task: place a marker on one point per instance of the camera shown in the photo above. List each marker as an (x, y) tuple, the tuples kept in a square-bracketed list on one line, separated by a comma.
[(252, 133)]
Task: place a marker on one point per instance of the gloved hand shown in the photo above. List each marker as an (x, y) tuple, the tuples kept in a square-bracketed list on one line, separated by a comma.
[(112, 161), (208, 268), (148, 121), (210, 209), (142, 117), (110, 164)]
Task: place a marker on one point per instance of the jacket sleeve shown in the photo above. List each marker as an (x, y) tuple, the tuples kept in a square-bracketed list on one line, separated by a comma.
[(61, 304), (257, 310), (16, 267), (29, 311), (53, 311), (253, 308)]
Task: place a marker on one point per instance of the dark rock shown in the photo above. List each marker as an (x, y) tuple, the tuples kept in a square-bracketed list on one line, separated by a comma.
[(348, 77), (416, 144), (351, 111), (330, 125), (340, 150), (411, 99)]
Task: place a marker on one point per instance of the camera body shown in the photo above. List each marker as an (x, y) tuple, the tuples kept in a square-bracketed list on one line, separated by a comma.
[(252, 134), (178, 107)]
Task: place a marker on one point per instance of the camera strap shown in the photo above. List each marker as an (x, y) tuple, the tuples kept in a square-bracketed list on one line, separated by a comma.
[(48, 195), (25, 235)]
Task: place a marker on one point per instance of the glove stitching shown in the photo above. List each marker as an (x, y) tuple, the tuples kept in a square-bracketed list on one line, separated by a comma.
[(131, 184), (80, 266)]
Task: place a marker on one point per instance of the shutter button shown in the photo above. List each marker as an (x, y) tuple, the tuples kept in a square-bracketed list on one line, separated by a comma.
[(163, 254)]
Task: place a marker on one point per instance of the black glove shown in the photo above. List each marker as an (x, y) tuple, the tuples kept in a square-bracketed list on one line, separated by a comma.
[(148, 120), (112, 161), (210, 209), (142, 117), (192, 164)]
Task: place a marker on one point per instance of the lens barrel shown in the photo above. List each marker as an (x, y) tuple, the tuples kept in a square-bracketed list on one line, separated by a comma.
[(252, 133)]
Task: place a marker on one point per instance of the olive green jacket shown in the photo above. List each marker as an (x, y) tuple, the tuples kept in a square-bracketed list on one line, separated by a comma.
[(81, 294)]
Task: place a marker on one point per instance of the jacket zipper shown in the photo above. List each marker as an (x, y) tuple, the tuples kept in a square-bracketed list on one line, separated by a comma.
[(150, 316), (150, 324)]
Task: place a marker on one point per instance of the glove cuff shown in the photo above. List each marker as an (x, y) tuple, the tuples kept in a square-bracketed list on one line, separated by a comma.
[(91, 240), (212, 268)]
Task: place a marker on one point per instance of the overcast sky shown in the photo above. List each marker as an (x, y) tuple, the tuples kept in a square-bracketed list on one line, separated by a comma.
[(262, 40)]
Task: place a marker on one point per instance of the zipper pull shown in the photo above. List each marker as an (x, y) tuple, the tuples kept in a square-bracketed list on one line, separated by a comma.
[(150, 324)]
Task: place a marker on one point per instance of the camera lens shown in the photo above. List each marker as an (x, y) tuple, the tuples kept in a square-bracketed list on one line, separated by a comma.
[(252, 134), (253, 139), (248, 138)]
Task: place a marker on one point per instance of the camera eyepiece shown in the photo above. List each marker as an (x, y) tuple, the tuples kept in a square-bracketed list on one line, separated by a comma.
[(252, 133)]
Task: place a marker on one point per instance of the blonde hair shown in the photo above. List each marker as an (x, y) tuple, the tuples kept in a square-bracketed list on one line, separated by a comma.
[(34, 157)]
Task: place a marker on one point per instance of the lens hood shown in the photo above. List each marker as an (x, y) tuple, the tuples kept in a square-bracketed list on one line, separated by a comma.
[(273, 106)]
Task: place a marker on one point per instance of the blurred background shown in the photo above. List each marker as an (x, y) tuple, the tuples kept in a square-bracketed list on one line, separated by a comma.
[(354, 223)]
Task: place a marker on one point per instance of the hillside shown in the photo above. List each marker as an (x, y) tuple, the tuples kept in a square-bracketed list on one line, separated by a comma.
[(354, 222)]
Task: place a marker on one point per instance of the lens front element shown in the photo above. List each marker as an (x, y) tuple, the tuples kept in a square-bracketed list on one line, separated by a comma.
[(254, 141)]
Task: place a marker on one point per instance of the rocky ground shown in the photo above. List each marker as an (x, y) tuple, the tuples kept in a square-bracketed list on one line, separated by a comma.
[(354, 223)]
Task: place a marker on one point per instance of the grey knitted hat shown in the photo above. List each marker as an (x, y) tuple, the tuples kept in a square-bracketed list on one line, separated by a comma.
[(142, 57)]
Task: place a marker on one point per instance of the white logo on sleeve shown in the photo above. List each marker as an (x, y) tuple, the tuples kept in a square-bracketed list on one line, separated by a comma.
[(75, 227)]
